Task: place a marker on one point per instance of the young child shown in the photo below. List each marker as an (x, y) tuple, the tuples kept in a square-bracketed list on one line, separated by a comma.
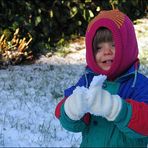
[(109, 104)]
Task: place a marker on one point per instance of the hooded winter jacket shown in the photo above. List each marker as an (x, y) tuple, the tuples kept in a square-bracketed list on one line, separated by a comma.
[(130, 128)]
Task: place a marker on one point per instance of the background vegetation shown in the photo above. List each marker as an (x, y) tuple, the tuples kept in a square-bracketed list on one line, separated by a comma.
[(51, 23)]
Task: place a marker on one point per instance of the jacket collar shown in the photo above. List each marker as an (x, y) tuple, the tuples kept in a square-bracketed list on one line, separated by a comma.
[(131, 72)]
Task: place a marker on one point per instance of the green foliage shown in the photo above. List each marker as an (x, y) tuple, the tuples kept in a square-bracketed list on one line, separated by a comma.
[(52, 22)]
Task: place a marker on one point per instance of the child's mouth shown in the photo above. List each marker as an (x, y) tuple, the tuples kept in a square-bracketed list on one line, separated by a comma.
[(108, 62)]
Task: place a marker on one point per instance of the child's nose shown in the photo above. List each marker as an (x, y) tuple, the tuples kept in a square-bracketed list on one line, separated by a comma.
[(108, 49)]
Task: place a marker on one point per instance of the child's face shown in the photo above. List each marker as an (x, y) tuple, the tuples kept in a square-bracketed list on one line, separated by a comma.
[(105, 54)]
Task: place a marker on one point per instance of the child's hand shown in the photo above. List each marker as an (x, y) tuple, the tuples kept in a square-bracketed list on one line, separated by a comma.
[(75, 105), (101, 102)]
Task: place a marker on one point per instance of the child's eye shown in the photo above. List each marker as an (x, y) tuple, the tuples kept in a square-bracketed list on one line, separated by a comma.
[(98, 48)]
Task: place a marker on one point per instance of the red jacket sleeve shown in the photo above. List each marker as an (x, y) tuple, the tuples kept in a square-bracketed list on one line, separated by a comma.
[(139, 119), (58, 108)]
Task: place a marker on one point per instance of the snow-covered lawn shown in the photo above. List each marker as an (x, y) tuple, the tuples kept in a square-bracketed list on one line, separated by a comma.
[(29, 95)]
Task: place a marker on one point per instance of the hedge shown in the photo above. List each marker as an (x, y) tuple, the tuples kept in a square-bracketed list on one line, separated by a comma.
[(52, 22)]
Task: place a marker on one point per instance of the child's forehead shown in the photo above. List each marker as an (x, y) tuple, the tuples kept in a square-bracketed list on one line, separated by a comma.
[(105, 42)]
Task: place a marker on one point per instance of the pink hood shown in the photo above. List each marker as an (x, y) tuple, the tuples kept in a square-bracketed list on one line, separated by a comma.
[(124, 37)]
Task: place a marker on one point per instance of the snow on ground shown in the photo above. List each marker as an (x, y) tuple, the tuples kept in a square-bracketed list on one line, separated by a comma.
[(29, 94)]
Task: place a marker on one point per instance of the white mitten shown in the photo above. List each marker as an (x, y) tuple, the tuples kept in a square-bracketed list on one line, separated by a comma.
[(75, 105), (101, 102), (95, 86)]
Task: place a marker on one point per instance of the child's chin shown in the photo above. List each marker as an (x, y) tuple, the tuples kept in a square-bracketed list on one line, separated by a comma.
[(106, 68)]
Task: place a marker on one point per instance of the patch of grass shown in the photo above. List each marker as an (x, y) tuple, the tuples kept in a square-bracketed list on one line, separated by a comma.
[(63, 52), (144, 57), (141, 26)]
